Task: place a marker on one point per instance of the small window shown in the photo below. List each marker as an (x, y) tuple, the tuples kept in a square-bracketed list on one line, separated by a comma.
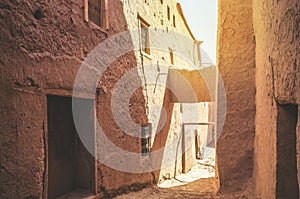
[(169, 14), (96, 11), (146, 139), (144, 27), (171, 57), (199, 155), (174, 22), (198, 53), (162, 1)]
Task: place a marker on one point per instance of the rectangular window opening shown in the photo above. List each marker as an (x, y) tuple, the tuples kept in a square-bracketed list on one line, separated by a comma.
[(146, 139), (169, 13), (145, 43), (174, 22), (97, 12), (171, 57)]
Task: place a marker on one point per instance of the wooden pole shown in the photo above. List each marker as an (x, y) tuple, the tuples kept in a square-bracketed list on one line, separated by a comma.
[(86, 10), (106, 25)]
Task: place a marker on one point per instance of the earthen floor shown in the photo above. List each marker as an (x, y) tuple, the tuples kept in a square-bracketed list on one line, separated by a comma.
[(201, 188)]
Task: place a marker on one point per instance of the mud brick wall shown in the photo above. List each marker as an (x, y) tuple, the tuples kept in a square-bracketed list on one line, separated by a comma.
[(236, 62)]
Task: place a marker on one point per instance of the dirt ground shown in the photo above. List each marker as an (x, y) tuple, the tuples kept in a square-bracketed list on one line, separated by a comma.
[(200, 189), (198, 183), (203, 188)]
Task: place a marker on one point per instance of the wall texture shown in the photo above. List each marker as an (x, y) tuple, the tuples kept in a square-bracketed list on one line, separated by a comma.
[(298, 146), (155, 73), (41, 42), (277, 31), (30, 48), (236, 62)]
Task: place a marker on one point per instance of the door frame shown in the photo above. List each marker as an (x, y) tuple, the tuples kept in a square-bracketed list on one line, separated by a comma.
[(66, 93)]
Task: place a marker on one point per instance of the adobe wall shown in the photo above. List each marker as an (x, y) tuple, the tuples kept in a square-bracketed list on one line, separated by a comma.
[(236, 62), (277, 31), (154, 70), (33, 59), (282, 29), (298, 146), (112, 180), (41, 55)]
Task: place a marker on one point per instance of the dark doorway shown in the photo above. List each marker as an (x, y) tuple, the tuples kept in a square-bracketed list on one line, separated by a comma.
[(287, 183), (70, 166)]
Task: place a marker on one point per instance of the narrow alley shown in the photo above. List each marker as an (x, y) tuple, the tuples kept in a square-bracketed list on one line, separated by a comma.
[(104, 99)]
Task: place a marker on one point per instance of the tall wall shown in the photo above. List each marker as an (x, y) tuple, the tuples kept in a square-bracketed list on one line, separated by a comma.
[(43, 44), (236, 62), (154, 70), (35, 56), (112, 180), (156, 64), (298, 146), (277, 32)]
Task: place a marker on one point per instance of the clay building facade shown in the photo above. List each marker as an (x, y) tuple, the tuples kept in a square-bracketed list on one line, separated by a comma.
[(258, 58), (44, 45), (173, 49)]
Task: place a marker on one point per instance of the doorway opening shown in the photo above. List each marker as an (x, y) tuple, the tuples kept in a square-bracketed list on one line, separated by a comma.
[(287, 182), (198, 128), (71, 168), (197, 145)]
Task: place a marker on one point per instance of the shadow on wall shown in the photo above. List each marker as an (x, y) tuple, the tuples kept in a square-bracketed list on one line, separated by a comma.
[(161, 137)]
